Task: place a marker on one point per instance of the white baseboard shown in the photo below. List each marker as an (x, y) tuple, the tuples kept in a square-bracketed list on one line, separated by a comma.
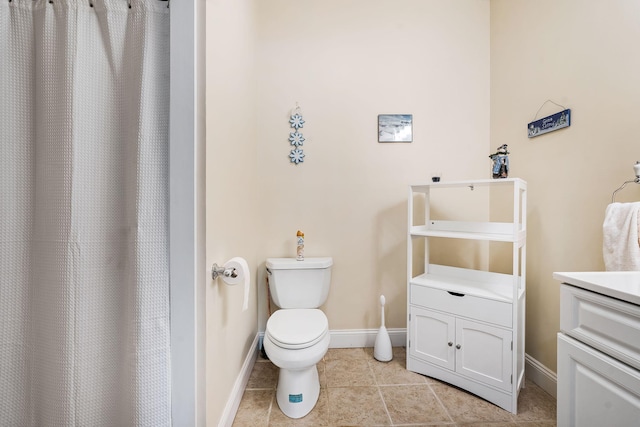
[(348, 338), (541, 375), (231, 408), (356, 338)]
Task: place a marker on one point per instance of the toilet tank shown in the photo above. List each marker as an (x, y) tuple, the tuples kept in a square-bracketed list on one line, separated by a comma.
[(299, 284)]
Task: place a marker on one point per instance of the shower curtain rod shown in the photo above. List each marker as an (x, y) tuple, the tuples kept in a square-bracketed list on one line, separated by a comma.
[(128, 2)]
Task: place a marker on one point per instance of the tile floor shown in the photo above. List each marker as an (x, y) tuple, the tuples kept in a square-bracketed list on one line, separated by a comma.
[(357, 390)]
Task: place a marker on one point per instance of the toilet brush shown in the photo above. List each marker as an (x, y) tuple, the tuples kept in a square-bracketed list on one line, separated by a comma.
[(382, 349)]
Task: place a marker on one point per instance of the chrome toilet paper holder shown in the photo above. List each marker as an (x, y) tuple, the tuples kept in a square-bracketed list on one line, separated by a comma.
[(222, 271)]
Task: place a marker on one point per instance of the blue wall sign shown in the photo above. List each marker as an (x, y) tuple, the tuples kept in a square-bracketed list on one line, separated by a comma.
[(550, 123)]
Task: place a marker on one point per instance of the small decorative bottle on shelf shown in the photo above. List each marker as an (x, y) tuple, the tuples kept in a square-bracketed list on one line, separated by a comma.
[(300, 246)]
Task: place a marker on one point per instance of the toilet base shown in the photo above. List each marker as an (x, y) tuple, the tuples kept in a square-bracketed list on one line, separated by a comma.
[(298, 391)]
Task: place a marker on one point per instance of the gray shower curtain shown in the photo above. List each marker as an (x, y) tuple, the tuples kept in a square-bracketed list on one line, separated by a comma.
[(84, 288)]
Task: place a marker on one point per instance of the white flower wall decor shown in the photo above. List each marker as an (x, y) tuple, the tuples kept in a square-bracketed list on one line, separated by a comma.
[(296, 138), (297, 156)]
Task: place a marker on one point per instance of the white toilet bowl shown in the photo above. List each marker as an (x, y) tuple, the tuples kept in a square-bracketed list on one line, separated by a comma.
[(295, 341)]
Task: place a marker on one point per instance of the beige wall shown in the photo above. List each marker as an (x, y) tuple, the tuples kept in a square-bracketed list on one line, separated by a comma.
[(231, 209), (449, 63), (585, 56), (345, 62)]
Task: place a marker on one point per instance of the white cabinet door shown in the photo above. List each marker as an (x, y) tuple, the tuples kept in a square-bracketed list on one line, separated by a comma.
[(432, 337), (484, 353), (475, 350), (595, 389)]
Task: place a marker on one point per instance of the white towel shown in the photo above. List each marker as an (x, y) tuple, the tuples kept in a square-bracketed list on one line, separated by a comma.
[(621, 237)]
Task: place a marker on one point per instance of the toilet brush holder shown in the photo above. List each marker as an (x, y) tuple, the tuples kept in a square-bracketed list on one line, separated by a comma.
[(382, 349)]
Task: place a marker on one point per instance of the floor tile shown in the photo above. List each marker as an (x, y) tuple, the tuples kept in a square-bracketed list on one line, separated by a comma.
[(348, 373), (413, 404), (534, 404), (489, 424), (431, 425), (481, 424), (536, 424), (264, 375), (322, 373), (346, 354), (357, 390), (254, 408), (395, 371), (356, 406), (464, 407)]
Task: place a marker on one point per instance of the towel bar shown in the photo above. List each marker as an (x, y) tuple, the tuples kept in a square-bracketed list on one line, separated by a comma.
[(636, 169)]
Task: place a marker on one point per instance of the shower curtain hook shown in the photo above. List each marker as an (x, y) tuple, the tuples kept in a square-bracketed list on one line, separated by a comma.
[(129, 3)]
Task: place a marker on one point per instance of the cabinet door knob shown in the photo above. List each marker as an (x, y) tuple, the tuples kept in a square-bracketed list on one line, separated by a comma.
[(458, 346), (450, 343)]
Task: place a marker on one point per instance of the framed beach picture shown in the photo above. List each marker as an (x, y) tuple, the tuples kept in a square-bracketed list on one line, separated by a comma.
[(395, 128)]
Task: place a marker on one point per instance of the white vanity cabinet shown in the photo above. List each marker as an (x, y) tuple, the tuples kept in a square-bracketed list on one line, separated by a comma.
[(466, 326), (599, 349)]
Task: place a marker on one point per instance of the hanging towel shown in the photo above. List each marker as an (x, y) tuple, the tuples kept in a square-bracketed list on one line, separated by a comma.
[(621, 237)]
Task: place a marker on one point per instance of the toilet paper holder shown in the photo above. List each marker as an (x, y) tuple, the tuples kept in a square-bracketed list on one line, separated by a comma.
[(226, 272)]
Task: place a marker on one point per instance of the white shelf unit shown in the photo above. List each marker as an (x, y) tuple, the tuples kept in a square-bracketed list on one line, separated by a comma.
[(466, 326)]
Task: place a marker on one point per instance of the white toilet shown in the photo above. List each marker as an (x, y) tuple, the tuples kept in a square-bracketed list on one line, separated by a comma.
[(297, 335)]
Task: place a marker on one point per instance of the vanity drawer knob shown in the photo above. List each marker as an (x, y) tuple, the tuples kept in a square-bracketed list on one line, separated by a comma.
[(458, 346), (450, 343)]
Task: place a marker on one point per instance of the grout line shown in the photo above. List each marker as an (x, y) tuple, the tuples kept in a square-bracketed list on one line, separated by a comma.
[(384, 404), (446, 423), (440, 402), (375, 379), (273, 396), (402, 384)]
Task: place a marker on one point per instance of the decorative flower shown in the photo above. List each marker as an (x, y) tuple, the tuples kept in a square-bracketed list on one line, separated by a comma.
[(296, 121), (297, 156), (296, 138)]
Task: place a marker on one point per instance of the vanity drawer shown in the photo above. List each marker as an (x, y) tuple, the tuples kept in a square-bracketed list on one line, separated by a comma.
[(482, 309), (610, 325)]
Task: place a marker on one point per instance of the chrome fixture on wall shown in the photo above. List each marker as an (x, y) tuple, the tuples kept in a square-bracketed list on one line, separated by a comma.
[(222, 271), (636, 170)]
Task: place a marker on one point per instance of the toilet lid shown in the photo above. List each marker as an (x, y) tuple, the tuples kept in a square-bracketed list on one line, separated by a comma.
[(297, 327)]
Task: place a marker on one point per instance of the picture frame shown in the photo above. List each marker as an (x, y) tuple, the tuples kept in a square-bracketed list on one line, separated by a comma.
[(395, 128)]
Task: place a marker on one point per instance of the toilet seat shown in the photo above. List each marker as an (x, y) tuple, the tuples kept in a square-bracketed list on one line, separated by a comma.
[(297, 328)]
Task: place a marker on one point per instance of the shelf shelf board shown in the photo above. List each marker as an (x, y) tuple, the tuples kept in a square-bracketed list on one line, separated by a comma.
[(425, 231), (466, 235), (478, 182)]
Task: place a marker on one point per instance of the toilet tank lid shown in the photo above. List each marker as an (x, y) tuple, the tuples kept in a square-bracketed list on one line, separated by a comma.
[(294, 264)]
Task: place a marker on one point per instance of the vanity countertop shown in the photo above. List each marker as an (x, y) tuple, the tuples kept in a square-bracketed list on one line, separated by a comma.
[(623, 285)]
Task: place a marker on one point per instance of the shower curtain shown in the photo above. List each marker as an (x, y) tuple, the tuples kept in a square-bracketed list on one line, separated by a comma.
[(84, 287)]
